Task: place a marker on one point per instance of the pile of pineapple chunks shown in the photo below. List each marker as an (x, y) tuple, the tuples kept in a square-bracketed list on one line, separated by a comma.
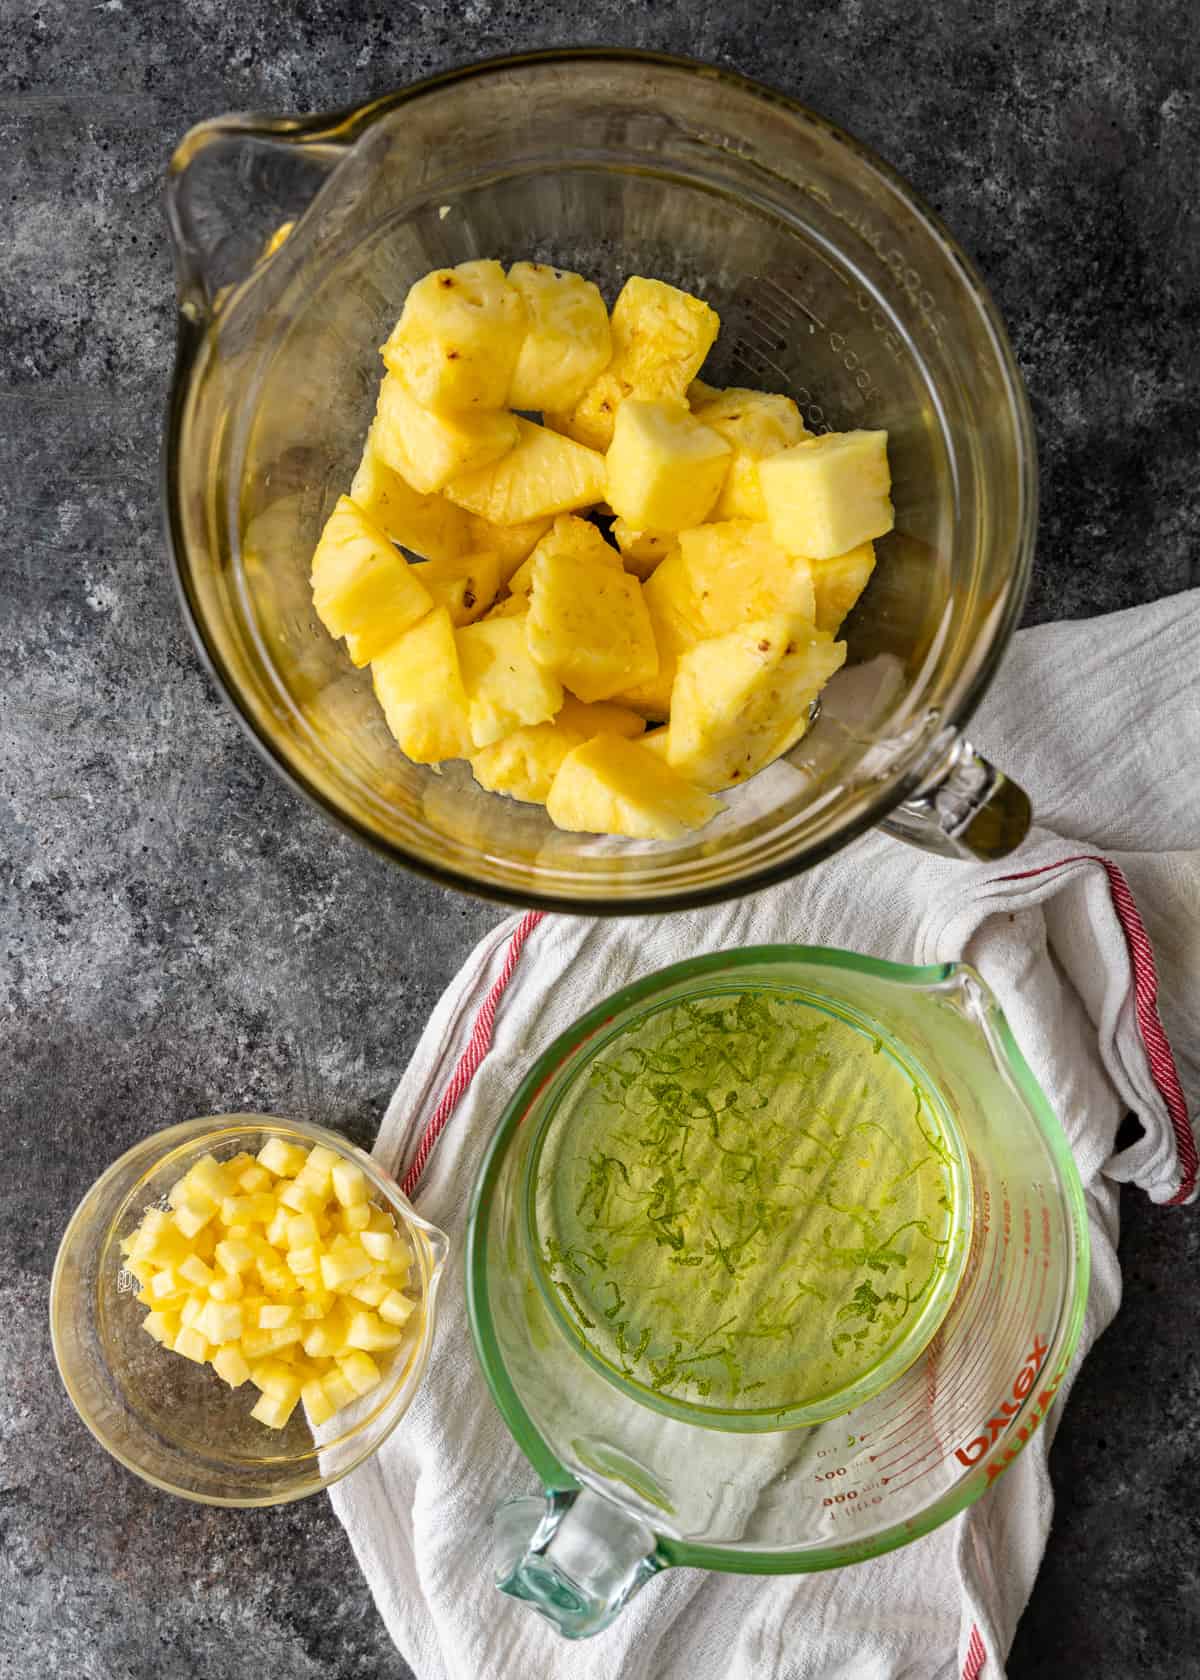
[(526, 642), (278, 1271)]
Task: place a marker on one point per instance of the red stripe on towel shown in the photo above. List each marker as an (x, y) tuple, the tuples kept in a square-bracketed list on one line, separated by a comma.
[(477, 1048), (1145, 996), (976, 1656)]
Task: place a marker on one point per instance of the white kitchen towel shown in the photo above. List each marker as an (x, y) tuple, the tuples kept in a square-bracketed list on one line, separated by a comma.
[(1101, 722)]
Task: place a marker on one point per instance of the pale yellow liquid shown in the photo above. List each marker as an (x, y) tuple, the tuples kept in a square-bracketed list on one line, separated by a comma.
[(745, 1203)]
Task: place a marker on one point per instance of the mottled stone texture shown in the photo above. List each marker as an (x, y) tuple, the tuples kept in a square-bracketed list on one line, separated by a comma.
[(181, 935)]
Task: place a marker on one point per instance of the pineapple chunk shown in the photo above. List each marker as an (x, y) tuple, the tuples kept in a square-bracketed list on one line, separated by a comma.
[(458, 338), (613, 786), (194, 1271), (282, 1158), (466, 587), (360, 1371), (163, 1326), (728, 574), (231, 1366), (544, 474), (660, 336), (588, 624), (192, 1215), (642, 550), (229, 1288), (513, 606), (839, 583), (665, 469), (367, 1330), (426, 525), (506, 688), (221, 1322), (254, 1179), (429, 449), (742, 699), (318, 1407), (338, 1390), (755, 424), (340, 1270), (272, 1376), (396, 1308), (272, 1411), (419, 685), (192, 1344), (524, 764), (567, 342), (509, 543), (371, 1291), (569, 536), (829, 494), (349, 1184)]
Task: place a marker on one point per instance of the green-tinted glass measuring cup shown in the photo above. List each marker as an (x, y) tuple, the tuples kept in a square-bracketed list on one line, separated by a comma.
[(637, 1478)]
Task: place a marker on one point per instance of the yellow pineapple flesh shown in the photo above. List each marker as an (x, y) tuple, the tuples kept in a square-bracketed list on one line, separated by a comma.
[(544, 474), (429, 449), (642, 550), (509, 543), (665, 469), (839, 582), (742, 699), (587, 622), (660, 337), (829, 494), (614, 786), (567, 342), (466, 586), (524, 764), (459, 337), (427, 525), (505, 687), (728, 573), (363, 588), (419, 685), (755, 425)]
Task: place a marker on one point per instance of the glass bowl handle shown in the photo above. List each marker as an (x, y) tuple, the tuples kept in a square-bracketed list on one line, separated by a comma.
[(574, 1557), (965, 808), (234, 188)]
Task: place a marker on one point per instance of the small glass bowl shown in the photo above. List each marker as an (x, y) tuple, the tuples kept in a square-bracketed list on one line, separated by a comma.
[(176, 1423)]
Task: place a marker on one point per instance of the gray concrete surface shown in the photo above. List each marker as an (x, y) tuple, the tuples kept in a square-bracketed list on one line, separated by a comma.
[(181, 935)]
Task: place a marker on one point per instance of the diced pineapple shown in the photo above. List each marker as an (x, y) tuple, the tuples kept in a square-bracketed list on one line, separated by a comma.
[(338, 1390), (304, 1261), (164, 1326), (419, 685), (742, 699), (370, 1291), (318, 1407), (273, 1315), (396, 1308), (544, 474), (588, 624), (368, 1331), (506, 688), (660, 337), (299, 1197), (282, 1158), (509, 543), (192, 1215), (525, 763), (614, 786), (258, 1344), (325, 1338), (231, 1366), (466, 587), (428, 525), (272, 1411), (378, 1244), (363, 588), (301, 1231), (273, 1376), (755, 424), (164, 1286), (192, 1344), (355, 1218), (360, 1371), (567, 341), (221, 1321), (339, 1271), (829, 494), (665, 469), (458, 337), (429, 449), (159, 1239), (349, 1184), (642, 550), (229, 1288), (839, 583), (731, 573), (568, 536), (194, 1271), (252, 1180)]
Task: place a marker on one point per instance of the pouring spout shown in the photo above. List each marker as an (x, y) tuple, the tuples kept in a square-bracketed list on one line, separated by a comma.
[(576, 1558), (234, 188)]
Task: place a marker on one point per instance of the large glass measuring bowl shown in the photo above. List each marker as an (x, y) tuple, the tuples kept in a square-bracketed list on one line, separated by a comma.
[(296, 240), (636, 1481)]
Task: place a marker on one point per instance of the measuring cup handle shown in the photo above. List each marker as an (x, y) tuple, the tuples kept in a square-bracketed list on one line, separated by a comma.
[(576, 1558), (234, 188), (965, 809)]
